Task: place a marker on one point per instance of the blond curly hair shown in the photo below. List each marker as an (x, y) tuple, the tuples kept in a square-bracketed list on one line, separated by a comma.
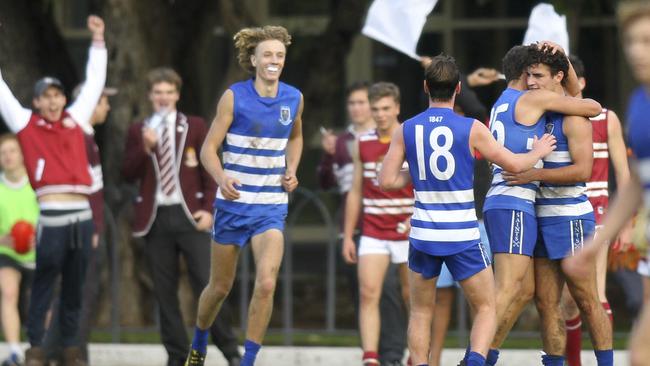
[(247, 39)]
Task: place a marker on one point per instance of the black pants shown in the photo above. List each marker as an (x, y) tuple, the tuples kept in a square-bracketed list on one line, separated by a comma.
[(89, 306), (170, 236), (63, 245)]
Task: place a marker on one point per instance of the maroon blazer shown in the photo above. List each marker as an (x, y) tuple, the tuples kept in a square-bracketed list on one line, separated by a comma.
[(197, 186)]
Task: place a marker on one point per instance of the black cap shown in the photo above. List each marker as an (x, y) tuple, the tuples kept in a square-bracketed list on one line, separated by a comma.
[(43, 84)]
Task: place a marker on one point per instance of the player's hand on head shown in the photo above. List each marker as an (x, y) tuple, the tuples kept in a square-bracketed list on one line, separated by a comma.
[(545, 145), (289, 181), (349, 251), (95, 25), (550, 46), (228, 187)]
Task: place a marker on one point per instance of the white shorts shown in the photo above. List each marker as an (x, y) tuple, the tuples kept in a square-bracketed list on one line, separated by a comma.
[(397, 249), (644, 265)]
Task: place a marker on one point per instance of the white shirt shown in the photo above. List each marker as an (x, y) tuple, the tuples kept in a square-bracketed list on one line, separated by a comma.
[(16, 116), (158, 122)]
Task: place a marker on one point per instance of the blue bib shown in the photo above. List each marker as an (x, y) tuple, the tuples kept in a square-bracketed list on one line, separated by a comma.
[(442, 171), (555, 202), (254, 149), (518, 139)]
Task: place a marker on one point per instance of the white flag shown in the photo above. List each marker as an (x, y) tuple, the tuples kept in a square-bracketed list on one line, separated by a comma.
[(545, 24), (398, 23)]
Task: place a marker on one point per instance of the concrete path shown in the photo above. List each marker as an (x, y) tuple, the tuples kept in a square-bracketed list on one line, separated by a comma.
[(154, 355)]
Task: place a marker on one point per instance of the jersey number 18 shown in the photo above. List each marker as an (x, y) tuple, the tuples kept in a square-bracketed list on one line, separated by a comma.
[(439, 151)]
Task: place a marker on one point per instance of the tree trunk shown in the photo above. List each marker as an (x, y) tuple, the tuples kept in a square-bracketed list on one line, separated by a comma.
[(31, 47)]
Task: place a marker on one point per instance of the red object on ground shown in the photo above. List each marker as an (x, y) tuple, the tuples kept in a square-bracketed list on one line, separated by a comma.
[(23, 234)]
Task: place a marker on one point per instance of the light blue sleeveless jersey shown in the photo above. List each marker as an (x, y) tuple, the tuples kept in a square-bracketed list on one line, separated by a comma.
[(254, 149), (518, 139), (560, 203), (442, 171)]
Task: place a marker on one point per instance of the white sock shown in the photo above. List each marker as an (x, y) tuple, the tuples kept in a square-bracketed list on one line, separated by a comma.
[(16, 349)]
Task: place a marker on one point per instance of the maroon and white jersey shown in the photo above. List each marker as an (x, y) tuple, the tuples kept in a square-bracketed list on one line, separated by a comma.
[(382, 211), (597, 186), (55, 155), (336, 170)]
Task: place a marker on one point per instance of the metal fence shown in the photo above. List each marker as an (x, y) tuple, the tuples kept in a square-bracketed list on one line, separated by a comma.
[(304, 202)]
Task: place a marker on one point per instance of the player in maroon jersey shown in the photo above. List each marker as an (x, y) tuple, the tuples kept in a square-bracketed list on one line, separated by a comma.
[(608, 145), (383, 239)]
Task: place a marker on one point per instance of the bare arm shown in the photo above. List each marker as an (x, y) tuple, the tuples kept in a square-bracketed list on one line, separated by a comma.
[(533, 104), (391, 175), (618, 157), (482, 140), (209, 151), (572, 85), (83, 107), (15, 115), (294, 150), (617, 150), (352, 207), (578, 131)]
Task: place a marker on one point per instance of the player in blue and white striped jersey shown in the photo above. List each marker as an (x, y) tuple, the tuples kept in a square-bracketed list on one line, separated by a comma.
[(259, 126), (565, 218), (509, 210), (439, 146)]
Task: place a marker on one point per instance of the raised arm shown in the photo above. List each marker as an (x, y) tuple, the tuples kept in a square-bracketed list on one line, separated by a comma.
[(294, 151), (209, 151), (482, 140), (15, 115), (391, 175), (572, 82), (82, 108)]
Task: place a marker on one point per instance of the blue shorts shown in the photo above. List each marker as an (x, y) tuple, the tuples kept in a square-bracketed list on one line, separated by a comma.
[(511, 231), (230, 228), (563, 239), (462, 265)]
